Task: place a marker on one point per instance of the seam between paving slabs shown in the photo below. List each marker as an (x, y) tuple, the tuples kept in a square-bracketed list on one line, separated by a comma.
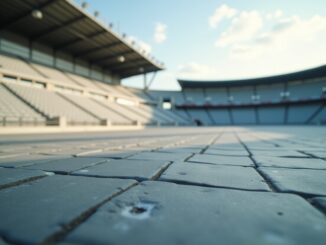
[(80, 219), (317, 206), (20, 182), (267, 181), (213, 141), (189, 183), (263, 140), (305, 196), (161, 171), (312, 155)]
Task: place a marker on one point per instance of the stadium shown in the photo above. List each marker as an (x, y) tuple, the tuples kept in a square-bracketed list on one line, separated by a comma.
[(85, 159)]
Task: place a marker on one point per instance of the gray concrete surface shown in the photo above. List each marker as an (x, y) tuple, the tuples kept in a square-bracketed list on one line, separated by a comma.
[(218, 185)]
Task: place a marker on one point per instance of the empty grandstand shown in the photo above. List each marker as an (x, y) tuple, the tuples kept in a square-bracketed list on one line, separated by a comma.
[(296, 98), (67, 70)]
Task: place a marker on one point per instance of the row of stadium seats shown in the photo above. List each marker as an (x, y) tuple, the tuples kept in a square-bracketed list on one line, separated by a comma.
[(291, 114), (31, 103), (18, 64), (44, 105), (14, 110)]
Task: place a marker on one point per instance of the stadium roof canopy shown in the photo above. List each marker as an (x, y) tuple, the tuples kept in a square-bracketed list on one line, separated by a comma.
[(66, 27), (297, 76)]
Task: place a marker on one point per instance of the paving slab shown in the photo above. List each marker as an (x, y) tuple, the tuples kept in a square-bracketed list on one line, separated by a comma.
[(2, 242), (120, 154), (320, 154), (306, 181), (226, 147), (285, 162), (11, 176), (223, 160), (278, 153), (238, 177), (166, 213), (36, 211), (179, 149), (71, 152), (67, 165), (320, 202), (214, 151), (130, 169), (160, 156), (27, 160)]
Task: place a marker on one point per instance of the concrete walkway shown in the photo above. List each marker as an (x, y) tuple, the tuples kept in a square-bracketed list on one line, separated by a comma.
[(226, 185)]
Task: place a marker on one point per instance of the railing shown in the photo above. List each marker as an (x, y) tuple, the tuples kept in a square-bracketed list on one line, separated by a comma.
[(255, 104), (20, 121)]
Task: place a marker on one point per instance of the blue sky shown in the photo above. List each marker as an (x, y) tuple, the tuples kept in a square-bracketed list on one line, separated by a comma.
[(212, 39)]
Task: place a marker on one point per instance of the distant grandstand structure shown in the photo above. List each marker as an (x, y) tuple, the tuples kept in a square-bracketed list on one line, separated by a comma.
[(66, 71), (296, 98)]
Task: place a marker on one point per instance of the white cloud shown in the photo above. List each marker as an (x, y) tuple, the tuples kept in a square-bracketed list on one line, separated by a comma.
[(273, 36), (221, 13), (275, 15), (195, 70), (242, 28), (160, 33)]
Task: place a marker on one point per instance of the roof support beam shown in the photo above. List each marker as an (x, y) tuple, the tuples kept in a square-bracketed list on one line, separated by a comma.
[(93, 50), (60, 27), (20, 17), (151, 81), (111, 57), (79, 40), (130, 66), (119, 65), (136, 71)]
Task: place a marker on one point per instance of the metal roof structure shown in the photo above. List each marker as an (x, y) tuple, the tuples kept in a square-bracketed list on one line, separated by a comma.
[(291, 77), (67, 27)]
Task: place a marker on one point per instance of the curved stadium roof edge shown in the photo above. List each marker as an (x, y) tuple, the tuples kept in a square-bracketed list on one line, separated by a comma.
[(65, 26), (295, 76)]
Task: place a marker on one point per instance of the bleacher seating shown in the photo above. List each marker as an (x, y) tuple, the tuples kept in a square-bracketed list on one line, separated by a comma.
[(17, 65), (241, 95), (14, 111), (220, 116), (271, 115), (96, 109), (270, 93), (320, 117), (194, 96), (54, 74), (201, 116), (305, 90), (85, 101), (243, 116), (175, 97), (216, 96), (53, 105), (301, 114)]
